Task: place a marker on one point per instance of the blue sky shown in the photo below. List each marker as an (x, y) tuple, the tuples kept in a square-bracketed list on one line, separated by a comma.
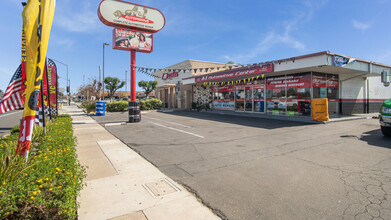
[(245, 32)]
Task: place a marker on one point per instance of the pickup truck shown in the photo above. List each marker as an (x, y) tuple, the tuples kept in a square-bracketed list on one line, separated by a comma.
[(385, 118)]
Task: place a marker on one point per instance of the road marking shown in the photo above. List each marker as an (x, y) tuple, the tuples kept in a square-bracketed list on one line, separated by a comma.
[(167, 121), (115, 124), (177, 130), (9, 114)]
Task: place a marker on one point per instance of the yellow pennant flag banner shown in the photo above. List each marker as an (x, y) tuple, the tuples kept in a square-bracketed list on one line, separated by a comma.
[(37, 23)]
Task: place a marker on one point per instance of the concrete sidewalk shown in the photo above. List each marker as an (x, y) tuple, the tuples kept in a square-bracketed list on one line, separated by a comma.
[(123, 185)]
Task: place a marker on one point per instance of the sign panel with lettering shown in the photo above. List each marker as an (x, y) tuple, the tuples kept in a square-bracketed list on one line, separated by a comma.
[(289, 81), (129, 15), (167, 76), (266, 68)]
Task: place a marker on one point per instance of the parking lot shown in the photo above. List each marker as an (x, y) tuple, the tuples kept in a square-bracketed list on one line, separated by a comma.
[(254, 168)]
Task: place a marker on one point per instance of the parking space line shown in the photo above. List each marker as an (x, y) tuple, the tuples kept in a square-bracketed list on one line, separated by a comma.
[(177, 130), (167, 121)]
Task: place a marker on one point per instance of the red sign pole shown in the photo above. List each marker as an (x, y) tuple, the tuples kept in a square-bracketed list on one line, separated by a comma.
[(133, 75)]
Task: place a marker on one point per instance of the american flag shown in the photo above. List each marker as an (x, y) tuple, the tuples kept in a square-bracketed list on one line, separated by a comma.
[(12, 99)]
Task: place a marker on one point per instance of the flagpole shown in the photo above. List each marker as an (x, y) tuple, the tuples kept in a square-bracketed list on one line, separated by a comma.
[(43, 109), (47, 87), (56, 91)]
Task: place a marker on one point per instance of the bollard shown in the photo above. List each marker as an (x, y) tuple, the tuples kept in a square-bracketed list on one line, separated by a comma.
[(134, 112)]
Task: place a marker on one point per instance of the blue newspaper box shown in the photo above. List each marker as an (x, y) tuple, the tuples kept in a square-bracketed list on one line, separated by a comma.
[(100, 108)]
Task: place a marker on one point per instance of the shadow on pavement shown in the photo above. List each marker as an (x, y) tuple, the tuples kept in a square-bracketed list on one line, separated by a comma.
[(112, 117), (5, 129), (376, 138), (239, 119)]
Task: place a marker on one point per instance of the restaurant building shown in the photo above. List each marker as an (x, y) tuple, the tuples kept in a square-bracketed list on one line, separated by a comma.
[(279, 87)]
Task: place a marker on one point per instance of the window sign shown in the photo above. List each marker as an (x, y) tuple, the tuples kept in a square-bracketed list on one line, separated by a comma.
[(224, 97)]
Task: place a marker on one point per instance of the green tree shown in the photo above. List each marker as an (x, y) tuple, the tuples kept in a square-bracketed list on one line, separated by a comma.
[(1, 93), (112, 84), (148, 86)]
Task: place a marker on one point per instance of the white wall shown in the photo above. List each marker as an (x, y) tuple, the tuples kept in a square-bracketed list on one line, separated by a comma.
[(353, 88), (377, 90), (356, 89)]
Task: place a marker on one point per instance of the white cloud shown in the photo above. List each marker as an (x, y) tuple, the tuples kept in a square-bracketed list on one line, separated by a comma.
[(62, 41), (7, 71), (385, 58), (16, 2), (360, 25), (269, 41), (76, 17), (6, 74), (283, 37)]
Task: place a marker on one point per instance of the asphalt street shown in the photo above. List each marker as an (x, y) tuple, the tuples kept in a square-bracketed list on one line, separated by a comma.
[(8, 120), (254, 168)]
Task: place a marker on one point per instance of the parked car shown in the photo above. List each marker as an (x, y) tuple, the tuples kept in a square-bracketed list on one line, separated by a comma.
[(385, 118)]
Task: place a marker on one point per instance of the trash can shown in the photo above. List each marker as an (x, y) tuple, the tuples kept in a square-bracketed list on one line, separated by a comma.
[(100, 108), (134, 112)]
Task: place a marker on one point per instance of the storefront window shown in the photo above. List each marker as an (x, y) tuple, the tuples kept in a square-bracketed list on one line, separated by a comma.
[(258, 95), (224, 97), (276, 101), (326, 86), (289, 95), (332, 87), (240, 95), (249, 98)]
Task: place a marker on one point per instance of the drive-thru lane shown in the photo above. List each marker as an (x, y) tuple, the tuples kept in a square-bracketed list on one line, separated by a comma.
[(253, 168)]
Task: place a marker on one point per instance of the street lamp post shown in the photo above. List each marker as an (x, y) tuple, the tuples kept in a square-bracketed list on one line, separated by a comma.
[(100, 96), (68, 80), (126, 84), (103, 70), (69, 93)]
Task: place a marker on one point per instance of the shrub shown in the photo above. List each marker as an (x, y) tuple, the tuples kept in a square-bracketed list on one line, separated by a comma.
[(90, 107), (151, 104), (119, 106), (194, 105), (86, 102), (46, 186)]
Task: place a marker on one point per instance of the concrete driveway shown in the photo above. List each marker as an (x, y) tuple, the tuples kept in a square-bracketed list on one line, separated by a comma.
[(253, 168)]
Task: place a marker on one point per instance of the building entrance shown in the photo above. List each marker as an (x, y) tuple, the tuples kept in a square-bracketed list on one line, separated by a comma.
[(250, 98)]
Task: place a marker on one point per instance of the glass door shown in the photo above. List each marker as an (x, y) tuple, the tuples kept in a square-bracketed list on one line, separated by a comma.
[(249, 98), (259, 98), (239, 98)]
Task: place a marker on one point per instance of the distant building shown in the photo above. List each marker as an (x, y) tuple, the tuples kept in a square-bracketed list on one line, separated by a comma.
[(139, 95), (171, 89)]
